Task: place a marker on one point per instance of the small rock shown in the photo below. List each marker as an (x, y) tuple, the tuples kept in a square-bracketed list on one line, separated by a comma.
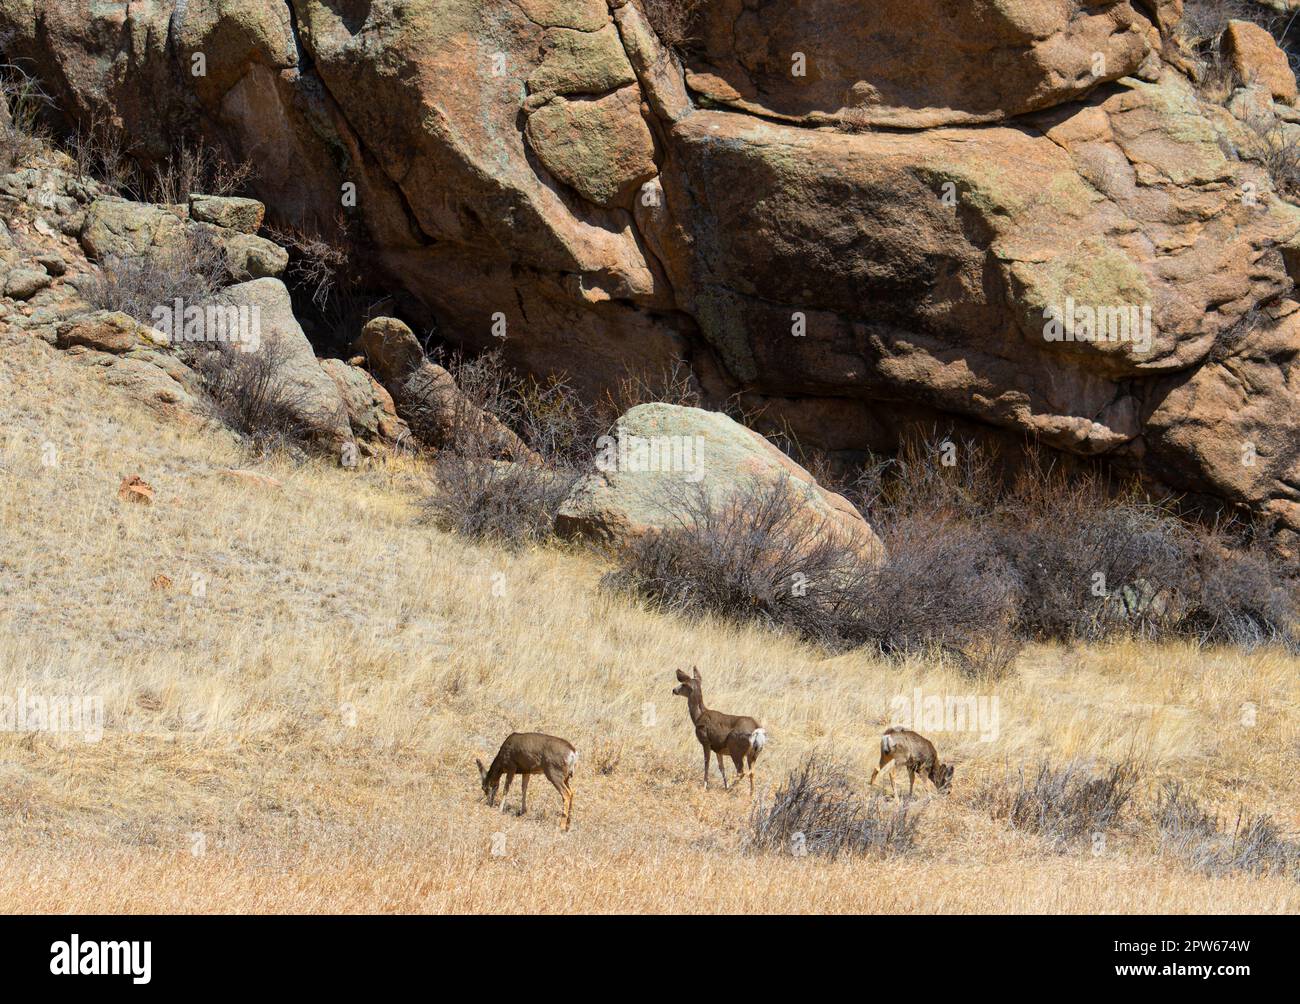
[(104, 330), (135, 489), (24, 283), (237, 214), (1257, 58), (52, 263)]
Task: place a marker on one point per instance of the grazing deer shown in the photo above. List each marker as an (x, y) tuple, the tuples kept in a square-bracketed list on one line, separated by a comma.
[(916, 753), (528, 753), (737, 735)]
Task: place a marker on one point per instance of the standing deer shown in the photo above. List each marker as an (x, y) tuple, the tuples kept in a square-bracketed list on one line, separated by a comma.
[(737, 735), (528, 753), (916, 753)]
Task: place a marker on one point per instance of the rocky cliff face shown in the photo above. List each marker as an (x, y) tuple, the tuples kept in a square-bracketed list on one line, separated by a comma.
[(856, 214)]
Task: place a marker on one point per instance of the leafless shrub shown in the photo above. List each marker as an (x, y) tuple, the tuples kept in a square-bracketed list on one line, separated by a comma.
[(854, 120), (547, 414), (1242, 597), (1201, 32), (250, 393), (674, 384), (22, 102), (1090, 568), (1276, 152), (1063, 805), (676, 22), (940, 476), (817, 810), (319, 264), (101, 152), (754, 555), (194, 168), (1204, 21), (943, 587), (1255, 846), (512, 504), (193, 270)]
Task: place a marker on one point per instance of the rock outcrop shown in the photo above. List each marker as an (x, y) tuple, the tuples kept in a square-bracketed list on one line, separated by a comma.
[(857, 216), (427, 397)]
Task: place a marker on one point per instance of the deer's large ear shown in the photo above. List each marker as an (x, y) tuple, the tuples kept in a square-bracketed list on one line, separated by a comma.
[(482, 774), (697, 671), (682, 677)]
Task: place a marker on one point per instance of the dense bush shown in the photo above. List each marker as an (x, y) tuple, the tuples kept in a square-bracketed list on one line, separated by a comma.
[(976, 563), (676, 22), (754, 555)]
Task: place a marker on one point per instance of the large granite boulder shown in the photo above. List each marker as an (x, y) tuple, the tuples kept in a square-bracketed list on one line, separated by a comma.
[(647, 474)]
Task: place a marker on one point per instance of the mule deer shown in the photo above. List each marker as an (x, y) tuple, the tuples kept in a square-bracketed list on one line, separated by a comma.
[(916, 753), (737, 735), (528, 753)]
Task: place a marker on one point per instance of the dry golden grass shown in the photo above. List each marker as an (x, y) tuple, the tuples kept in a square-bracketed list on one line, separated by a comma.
[(309, 721)]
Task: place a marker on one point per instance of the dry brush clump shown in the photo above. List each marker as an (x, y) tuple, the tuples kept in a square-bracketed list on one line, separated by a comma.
[(22, 103), (817, 810), (512, 503), (1192, 834), (1087, 559), (1063, 805), (250, 393), (676, 22), (1200, 32), (752, 555), (193, 270)]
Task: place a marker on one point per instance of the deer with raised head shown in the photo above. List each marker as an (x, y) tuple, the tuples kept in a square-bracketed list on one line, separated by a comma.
[(528, 753), (916, 753), (739, 736)]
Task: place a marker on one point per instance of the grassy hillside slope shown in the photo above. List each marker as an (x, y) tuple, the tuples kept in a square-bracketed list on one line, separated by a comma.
[(291, 724)]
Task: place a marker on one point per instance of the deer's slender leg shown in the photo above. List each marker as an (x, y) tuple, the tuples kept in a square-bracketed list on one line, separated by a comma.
[(506, 791), (523, 794), (561, 784), (911, 780), (568, 806), (722, 770), (887, 768), (706, 767)]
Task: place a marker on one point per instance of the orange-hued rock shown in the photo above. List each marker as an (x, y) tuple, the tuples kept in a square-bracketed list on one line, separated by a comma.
[(1257, 59), (427, 397), (135, 489), (860, 217), (916, 64)]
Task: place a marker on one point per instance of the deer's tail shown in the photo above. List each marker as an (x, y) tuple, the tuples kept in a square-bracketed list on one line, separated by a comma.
[(757, 740)]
